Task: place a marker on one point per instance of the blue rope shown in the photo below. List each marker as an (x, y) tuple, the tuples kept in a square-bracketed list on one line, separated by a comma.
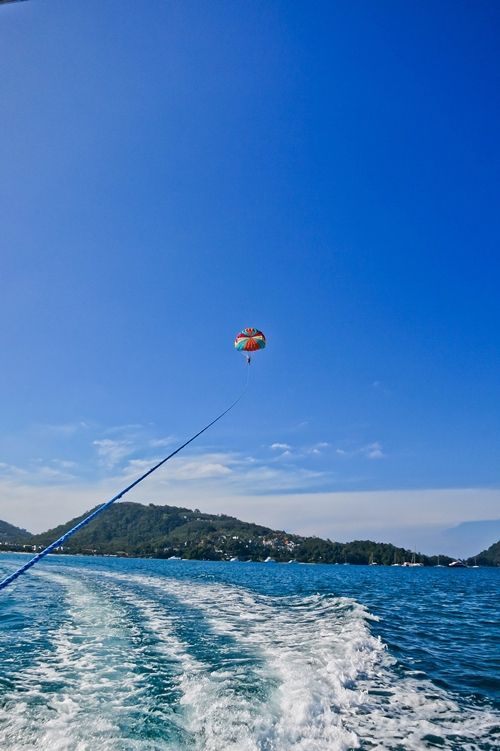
[(61, 540)]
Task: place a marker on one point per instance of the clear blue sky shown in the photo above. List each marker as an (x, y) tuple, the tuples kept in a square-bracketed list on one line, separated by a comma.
[(328, 172)]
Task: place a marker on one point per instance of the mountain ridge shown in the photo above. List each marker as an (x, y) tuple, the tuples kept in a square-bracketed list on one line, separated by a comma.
[(9, 533), (138, 530), (151, 530), (488, 557)]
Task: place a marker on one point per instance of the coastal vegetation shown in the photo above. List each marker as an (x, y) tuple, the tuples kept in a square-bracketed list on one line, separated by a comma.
[(489, 557), (134, 529)]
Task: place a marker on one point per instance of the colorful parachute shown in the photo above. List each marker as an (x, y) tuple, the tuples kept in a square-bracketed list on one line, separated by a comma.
[(250, 340)]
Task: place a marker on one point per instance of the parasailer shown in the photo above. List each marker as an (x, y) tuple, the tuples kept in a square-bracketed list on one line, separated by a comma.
[(249, 340)]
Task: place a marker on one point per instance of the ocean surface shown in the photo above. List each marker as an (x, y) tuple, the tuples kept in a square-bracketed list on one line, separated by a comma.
[(111, 654)]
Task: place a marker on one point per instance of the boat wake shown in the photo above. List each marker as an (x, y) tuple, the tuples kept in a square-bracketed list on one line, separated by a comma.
[(152, 662)]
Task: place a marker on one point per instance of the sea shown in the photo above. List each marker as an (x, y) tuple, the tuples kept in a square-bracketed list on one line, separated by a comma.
[(116, 654)]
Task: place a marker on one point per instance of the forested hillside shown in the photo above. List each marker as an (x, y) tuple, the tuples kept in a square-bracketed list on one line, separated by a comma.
[(163, 531)]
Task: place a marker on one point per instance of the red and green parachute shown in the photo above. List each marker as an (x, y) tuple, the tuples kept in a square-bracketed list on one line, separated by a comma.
[(249, 340)]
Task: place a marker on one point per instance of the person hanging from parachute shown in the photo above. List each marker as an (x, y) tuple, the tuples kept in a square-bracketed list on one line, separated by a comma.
[(249, 340)]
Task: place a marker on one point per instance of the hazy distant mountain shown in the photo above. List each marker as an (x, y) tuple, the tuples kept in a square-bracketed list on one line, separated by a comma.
[(10, 533), (489, 557), (467, 537), (460, 541), (164, 531)]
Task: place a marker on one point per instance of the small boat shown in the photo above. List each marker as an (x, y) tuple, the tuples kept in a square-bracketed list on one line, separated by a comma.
[(174, 558), (269, 560), (414, 563), (292, 560), (372, 562), (457, 564), (235, 559)]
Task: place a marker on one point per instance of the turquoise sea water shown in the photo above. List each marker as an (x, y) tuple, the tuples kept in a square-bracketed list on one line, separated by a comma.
[(115, 654)]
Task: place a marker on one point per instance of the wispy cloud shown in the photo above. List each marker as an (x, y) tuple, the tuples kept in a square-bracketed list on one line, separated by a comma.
[(11, 470), (300, 451), (235, 473), (318, 448), (161, 442), (49, 473), (381, 388), (65, 463), (127, 428), (372, 450), (64, 429), (204, 467), (112, 452), (37, 472), (126, 440)]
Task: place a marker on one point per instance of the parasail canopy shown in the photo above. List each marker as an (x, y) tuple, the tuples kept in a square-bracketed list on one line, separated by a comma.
[(250, 340)]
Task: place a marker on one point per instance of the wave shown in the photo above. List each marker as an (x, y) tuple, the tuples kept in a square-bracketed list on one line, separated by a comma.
[(151, 662), (337, 685)]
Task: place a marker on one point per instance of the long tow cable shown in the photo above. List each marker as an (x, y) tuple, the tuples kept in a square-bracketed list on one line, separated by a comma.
[(61, 540)]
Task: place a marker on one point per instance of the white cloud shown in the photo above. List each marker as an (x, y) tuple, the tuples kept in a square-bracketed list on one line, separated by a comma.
[(10, 470), (112, 452), (62, 429), (47, 472), (318, 448), (280, 446), (131, 427), (200, 468), (370, 451), (374, 451), (64, 463), (36, 473), (233, 471), (161, 442)]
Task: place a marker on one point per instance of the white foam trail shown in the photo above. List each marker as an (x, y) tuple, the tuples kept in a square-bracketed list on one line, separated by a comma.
[(80, 693), (323, 682), (336, 684), (86, 711), (214, 712)]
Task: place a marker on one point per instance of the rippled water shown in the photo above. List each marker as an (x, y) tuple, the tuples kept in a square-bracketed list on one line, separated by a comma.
[(116, 654)]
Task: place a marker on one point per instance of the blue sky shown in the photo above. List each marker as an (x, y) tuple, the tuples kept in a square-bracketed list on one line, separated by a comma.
[(174, 171)]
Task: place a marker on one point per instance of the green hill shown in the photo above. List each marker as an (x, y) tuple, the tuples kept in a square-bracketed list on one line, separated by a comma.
[(11, 534), (489, 557), (162, 531)]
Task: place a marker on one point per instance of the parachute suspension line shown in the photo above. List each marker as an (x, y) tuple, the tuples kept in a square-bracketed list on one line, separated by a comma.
[(61, 540)]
